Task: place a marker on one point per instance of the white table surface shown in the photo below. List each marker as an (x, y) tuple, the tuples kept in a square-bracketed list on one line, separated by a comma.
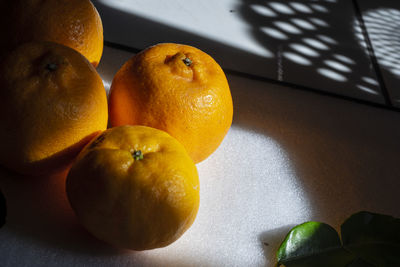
[(291, 156)]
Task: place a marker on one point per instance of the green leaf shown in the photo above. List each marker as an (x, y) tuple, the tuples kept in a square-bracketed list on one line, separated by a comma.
[(369, 240), (373, 237), (313, 244)]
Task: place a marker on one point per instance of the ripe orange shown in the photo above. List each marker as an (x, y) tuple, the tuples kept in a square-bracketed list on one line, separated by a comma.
[(53, 102), (74, 23), (134, 187), (178, 89)]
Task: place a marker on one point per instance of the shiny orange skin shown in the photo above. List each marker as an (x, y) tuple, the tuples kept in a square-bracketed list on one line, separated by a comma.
[(73, 23), (131, 202), (190, 100), (53, 103)]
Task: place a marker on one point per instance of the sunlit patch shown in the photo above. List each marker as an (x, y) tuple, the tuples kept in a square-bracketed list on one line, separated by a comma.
[(287, 27), (370, 80), (366, 89), (333, 75), (319, 8), (274, 33), (297, 59), (326, 39), (337, 66), (315, 43), (263, 10), (304, 50), (107, 85), (303, 24), (301, 7), (253, 196), (282, 8), (319, 22)]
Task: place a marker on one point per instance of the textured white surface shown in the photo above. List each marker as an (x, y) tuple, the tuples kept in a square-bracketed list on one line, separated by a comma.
[(290, 156)]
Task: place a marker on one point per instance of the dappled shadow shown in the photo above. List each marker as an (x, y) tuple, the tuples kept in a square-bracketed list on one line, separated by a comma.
[(315, 45), (382, 25), (383, 29)]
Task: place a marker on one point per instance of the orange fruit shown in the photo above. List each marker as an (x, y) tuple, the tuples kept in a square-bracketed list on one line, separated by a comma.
[(178, 89), (53, 103), (134, 187), (74, 23)]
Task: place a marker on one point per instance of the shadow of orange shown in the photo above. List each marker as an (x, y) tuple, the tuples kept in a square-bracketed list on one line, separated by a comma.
[(60, 161), (38, 208), (39, 213)]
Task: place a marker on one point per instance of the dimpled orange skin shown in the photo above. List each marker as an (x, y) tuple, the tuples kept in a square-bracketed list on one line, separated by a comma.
[(74, 23), (189, 99), (136, 204), (53, 103)]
